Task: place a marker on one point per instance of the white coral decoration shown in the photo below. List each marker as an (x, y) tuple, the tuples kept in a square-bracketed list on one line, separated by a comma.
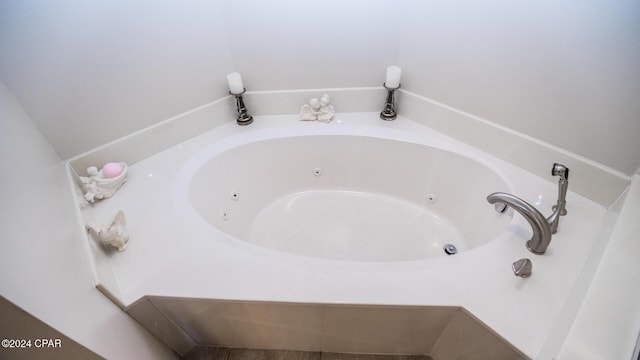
[(320, 110), (115, 233)]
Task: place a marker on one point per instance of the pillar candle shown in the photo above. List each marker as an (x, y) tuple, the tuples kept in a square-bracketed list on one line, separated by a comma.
[(235, 83), (393, 77)]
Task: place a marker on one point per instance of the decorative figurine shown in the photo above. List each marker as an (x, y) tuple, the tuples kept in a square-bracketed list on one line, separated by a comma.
[(104, 183), (320, 110), (310, 111), (114, 234), (326, 109)]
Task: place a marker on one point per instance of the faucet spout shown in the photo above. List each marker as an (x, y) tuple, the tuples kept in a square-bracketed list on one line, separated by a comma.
[(541, 229)]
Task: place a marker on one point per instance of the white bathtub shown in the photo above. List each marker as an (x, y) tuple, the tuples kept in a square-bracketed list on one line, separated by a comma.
[(346, 197), (240, 213)]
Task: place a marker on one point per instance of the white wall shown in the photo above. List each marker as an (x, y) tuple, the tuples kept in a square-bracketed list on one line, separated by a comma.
[(43, 263), (562, 71), (608, 324), (88, 72), (292, 44)]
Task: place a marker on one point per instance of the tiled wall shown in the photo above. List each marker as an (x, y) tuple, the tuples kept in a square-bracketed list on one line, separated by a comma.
[(442, 332), (222, 353)]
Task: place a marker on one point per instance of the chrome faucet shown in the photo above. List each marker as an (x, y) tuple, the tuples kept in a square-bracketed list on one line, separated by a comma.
[(563, 184), (541, 229)]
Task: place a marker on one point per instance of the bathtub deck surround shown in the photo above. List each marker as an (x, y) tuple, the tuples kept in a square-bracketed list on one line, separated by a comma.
[(596, 182), (208, 253), (237, 89)]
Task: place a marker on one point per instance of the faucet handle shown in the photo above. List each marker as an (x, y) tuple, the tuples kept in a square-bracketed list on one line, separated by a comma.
[(522, 267)]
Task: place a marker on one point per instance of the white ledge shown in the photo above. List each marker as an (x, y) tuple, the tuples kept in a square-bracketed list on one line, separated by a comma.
[(588, 178)]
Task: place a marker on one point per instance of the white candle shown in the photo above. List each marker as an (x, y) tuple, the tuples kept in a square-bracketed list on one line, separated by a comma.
[(235, 83), (393, 76)]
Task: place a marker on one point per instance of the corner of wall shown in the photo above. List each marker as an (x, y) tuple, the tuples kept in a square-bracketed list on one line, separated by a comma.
[(43, 265)]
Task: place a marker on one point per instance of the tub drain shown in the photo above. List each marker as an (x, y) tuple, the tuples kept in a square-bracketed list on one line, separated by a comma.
[(450, 249)]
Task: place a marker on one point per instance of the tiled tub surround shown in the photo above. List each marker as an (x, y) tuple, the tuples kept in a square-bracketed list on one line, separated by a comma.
[(171, 255), (441, 332), (223, 353)]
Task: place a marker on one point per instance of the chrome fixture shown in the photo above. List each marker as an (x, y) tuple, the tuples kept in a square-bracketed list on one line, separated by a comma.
[(563, 184), (541, 229), (522, 267), (450, 249), (244, 118), (389, 111)]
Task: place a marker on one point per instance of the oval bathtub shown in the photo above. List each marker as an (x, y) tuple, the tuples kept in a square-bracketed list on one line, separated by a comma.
[(352, 212), (347, 197)]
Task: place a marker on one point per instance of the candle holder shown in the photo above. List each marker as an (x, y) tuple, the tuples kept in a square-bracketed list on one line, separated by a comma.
[(244, 118), (389, 111)]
